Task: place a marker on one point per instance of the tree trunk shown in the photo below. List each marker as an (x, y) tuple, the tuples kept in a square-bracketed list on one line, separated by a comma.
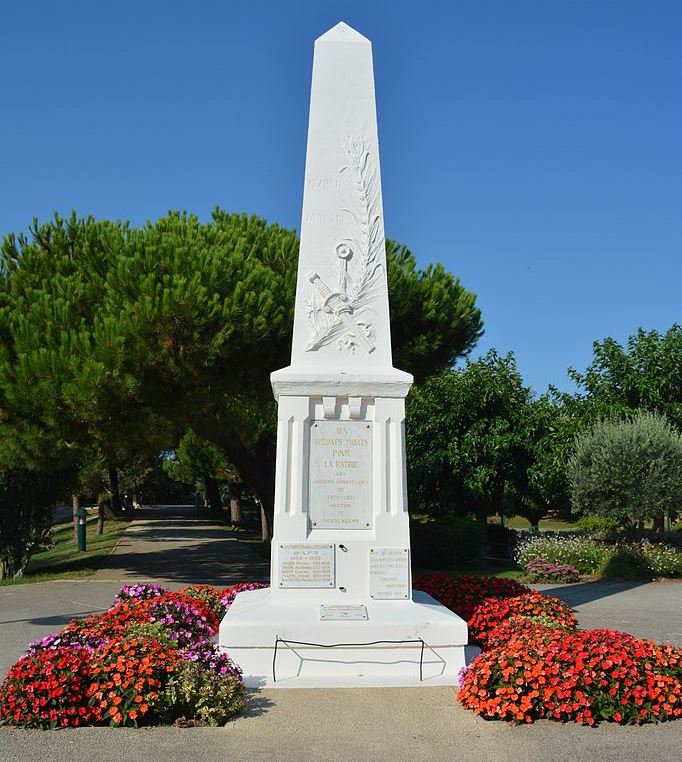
[(257, 472), (213, 494), (75, 505), (236, 518), (265, 531), (116, 504), (100, 516)]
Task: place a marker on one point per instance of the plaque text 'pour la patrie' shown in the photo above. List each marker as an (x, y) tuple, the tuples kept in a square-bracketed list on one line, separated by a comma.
[(340, 475)]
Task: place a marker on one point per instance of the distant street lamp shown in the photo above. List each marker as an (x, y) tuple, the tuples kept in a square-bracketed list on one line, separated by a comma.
[(82, 520)]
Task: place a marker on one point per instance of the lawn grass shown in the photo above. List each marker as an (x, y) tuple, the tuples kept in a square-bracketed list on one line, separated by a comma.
[(63, 561), (518, 522)]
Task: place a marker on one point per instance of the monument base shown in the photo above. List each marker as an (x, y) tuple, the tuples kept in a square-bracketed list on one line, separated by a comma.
[(284, 643)]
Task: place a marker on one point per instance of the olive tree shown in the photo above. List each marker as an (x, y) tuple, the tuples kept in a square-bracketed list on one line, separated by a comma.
[(627, 469)]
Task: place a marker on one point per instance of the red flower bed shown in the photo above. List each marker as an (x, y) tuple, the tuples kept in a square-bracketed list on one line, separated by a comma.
[(48, 690), (585, 676), (185, 616), (537, 665), (96, 670), (463, 594), (491, 613)]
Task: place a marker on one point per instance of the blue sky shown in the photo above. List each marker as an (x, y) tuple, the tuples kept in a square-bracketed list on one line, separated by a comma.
[(535, 148)]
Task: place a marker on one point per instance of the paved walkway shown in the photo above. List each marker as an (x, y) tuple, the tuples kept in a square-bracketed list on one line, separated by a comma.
[(177, 548), (179, 545)]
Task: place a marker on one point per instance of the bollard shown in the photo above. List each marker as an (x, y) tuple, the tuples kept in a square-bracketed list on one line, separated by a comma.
[(82, 519)]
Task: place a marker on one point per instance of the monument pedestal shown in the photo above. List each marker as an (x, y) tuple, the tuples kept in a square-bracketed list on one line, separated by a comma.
[(340, 609), (416, 642)]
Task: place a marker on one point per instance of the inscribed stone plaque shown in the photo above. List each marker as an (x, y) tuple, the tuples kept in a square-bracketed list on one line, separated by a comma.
[(343, 613), (304, 564), (340, 464), (389, 573)]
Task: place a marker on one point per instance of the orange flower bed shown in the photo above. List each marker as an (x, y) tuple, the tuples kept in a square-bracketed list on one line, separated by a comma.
[(536, 664), (127, 677)]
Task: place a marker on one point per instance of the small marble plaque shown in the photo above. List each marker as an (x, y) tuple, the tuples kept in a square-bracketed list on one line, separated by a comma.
[(340, 464), (343, 613), (303, 564), (389, 573)]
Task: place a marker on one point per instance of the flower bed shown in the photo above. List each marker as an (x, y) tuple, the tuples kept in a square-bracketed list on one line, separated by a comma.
[(539, 570), (590, 556), (149, 659), (537, 664)]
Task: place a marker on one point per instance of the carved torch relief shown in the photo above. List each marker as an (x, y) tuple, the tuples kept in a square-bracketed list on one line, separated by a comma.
[(341, 312)]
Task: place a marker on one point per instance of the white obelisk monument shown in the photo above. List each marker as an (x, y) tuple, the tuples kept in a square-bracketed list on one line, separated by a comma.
[(340, 609)]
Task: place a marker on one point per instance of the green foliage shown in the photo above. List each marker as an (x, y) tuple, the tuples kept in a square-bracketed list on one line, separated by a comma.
[(547, 430), (461, 443), (625, 562), (642, 560), (477, 442), (26, 502), (598, 526), (434, 319), (201, 696), (150, 631), (663, 560), (627, 470), (645, 374), (115, 341), (583, 553), (445, 543)]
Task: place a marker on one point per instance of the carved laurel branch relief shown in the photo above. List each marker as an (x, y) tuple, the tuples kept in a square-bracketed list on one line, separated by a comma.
[(341, 312)]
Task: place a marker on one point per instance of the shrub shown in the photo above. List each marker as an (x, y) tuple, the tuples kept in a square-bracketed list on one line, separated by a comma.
[(201, 696), (583, 553), (588, 556), (663, 560), (539, 570), (598, 526), (128, 676), (463, 594), (490, 614), (625, 562), (447, 542), (47, 689), (627, 470)]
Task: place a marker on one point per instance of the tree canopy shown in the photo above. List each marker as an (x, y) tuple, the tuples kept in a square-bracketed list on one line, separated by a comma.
[(629, 470), (645, 374), (479, 442), (116, 340)]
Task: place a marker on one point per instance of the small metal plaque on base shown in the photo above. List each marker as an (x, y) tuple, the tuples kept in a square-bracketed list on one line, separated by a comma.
[(343, 613)]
